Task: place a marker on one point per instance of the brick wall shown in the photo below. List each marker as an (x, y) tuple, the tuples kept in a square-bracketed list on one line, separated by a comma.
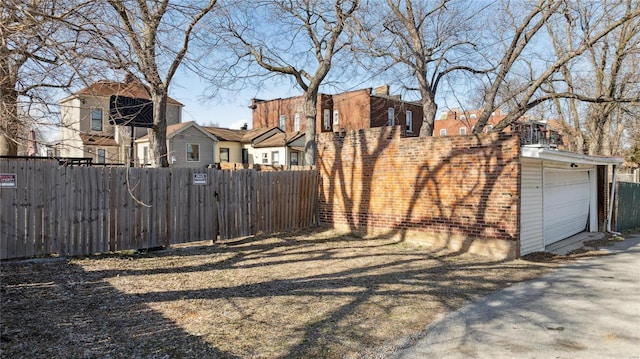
[(461, 185)]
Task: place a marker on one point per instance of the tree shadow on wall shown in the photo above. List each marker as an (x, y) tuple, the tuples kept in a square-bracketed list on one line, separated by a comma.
[(464, 186)]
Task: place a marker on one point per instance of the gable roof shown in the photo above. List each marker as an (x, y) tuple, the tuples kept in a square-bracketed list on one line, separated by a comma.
[(106, 88), (174, 130), (242, 136), (279, 139)]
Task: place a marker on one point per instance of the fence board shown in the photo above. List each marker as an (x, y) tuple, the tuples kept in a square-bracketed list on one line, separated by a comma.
[(79, 211)]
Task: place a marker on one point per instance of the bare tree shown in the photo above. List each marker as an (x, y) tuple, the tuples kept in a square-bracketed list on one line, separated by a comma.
[(608, 71), (427, 39), (37, 47), (148, 40), (302, 39), (521, 74)]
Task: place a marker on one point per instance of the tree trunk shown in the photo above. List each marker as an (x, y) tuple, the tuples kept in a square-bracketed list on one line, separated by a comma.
[(10, 126), (310, 110), (429, 109), (158, 134)]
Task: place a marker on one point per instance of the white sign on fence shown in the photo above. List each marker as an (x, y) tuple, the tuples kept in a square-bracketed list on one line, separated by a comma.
[(8, 180), (199, 178)]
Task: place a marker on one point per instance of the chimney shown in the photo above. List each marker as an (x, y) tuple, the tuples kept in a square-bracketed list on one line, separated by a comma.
[(245, 126), (382, 90)]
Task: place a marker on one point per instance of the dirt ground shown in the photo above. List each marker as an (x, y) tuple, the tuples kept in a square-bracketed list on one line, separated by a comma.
[(319, 294)]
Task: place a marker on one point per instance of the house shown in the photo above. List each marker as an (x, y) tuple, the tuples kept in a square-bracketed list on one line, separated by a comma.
[(359, 109), (86, 130), (280, 149), (188, 145), (235, 146)]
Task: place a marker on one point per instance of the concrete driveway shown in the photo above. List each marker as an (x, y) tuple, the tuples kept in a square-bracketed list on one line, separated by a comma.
[(587, 309)]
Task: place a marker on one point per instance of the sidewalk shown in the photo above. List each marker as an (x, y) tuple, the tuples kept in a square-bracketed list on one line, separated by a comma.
[(586, 309)]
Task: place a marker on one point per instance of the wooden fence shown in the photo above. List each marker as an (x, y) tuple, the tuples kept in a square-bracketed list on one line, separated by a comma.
[(627, 206), (84, 210)]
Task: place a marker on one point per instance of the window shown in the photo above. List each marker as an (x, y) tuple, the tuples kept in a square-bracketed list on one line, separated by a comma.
[(145, 155), (245, 156), (96, 119), (409, 121), (296, 122), (463, 131), (101, 155), (265, 158), (336, 116), (463, 117), (488, 128), (283, 122), (193, 152), (443, 115), (224, 154), (391, 117), (49, 152), (294, 159), (443, 132), (275, 158), (327, 119), (473, 115)]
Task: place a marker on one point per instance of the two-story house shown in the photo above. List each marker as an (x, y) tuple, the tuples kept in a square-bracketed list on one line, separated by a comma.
[(86, 131), (365, 108)]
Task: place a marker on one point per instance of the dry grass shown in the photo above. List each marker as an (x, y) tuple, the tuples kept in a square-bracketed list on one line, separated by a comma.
[(310, 294)]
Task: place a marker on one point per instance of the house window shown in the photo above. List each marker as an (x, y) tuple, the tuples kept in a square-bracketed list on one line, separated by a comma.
[(327, 119), (96, 119), (283, 122), (245, 155), (488, 128), (265, 158), (336, 116), (49, 152), (443, 132), (409, 121), (296, 122), (473, 115), (443, 115), (193, 152), (294, 159), (145, 155), (275, 158), (224, 154), (463, 131), (391, 114), (463, 117), (102, 155)]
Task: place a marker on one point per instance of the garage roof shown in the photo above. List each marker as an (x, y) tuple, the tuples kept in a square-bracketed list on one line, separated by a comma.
[(543, 153)]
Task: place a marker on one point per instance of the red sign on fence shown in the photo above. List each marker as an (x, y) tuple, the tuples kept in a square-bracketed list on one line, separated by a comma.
[(8, 180)]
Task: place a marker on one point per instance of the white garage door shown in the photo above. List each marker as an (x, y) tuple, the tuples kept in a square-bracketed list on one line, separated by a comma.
[(566, 202)]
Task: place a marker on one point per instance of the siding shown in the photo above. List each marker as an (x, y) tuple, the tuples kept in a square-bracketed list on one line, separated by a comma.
[(178, 148), (531, 220)]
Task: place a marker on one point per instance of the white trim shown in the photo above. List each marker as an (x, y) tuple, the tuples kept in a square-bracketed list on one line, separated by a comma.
[(535, 151)]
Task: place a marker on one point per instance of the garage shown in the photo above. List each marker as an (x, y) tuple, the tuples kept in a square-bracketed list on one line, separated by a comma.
[(566, 201), (559, 195)]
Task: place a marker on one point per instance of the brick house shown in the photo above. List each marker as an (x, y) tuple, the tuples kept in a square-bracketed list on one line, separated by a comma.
[(86, 131), (359, 109), (458, 122)]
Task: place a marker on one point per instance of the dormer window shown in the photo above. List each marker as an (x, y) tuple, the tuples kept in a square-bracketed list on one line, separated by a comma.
[(96, 119)]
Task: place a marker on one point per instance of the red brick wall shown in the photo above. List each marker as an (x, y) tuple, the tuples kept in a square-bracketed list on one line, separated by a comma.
[(463, 185)]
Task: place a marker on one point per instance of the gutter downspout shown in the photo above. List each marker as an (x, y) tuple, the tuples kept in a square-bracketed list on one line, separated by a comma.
[(611, 200)]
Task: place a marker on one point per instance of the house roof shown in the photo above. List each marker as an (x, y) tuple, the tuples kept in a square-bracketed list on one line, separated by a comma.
[(97, 140), (279, 139), (243, 136), (134, 89), (175, 129)]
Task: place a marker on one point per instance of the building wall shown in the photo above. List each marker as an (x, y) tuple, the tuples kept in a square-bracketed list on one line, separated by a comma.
[(356, 110), (452, 121), (461, 188), (235, 151), (258, 154), (178, 148)]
